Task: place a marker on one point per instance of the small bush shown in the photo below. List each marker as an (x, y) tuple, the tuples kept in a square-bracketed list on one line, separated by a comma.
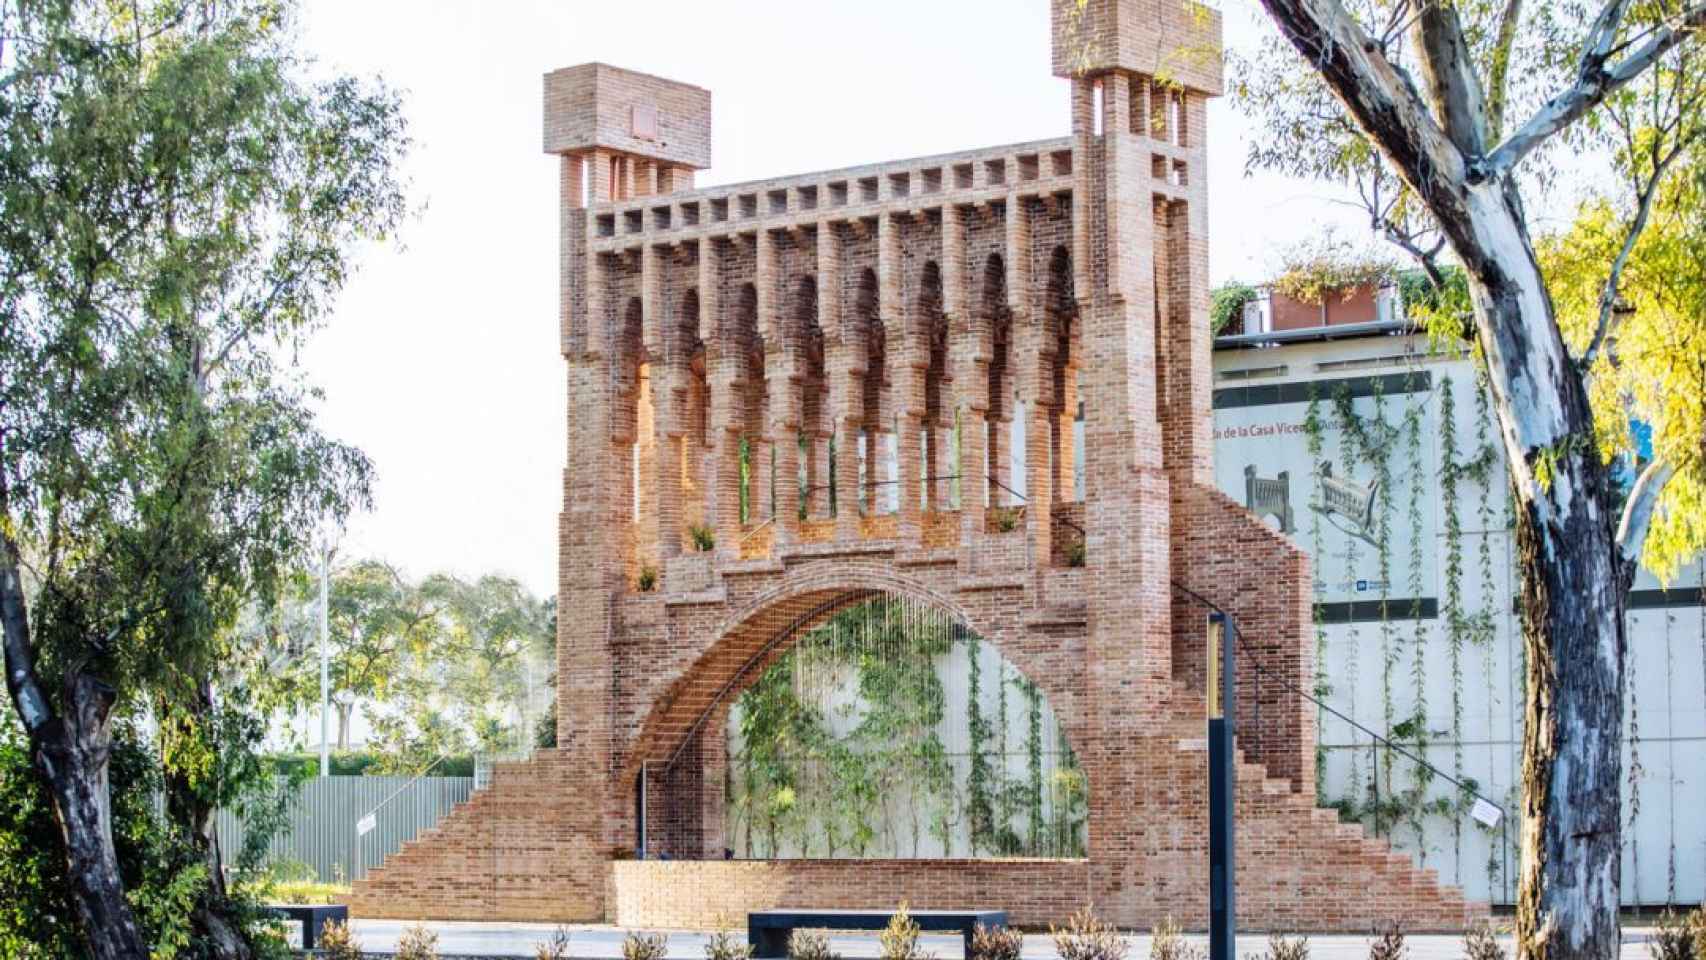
[(727, 945), (899, 940), (1281, 947), (337, 943), (704, 537), (304, 892), (648, 579), (810, 945), (1674, 937), (644, 946), (1075, 554), (417, 943), (556, 948), (1388, 943), (996, 943), (1697, 924), (1167, 943), (1481, 942), (1086, 938)]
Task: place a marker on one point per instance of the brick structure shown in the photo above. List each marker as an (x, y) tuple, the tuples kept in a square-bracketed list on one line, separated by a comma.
[(898, 307)]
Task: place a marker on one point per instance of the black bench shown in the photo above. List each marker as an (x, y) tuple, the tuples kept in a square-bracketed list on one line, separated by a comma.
[(312, 916), (767, 930)]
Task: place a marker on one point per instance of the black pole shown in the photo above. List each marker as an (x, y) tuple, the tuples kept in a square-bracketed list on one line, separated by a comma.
[(640, 816), (1222, 787)]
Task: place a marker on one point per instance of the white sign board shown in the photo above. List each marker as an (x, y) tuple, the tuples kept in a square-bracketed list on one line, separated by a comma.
[(365, 825), (1486, 814)]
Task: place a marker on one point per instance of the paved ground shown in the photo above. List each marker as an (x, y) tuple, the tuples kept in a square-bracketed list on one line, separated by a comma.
[(603, 943)]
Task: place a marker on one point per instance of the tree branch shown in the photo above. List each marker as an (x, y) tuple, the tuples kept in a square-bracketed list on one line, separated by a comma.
[(1498, 80), (1449, 74), (1595, 82), (1638, 511), (1608, 294)]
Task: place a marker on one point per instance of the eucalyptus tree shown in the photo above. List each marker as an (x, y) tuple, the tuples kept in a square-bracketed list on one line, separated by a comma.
[(1452, 119), (178, 205)]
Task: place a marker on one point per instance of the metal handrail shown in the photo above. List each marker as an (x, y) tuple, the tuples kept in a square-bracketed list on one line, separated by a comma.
[(1062, 519), (1262, 668), (748, 535)]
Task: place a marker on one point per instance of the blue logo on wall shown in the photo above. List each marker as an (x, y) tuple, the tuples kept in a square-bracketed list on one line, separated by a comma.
[(1362, 585)]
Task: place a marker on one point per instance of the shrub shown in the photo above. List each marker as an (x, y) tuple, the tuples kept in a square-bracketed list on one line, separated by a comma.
[(1697, 924), (644, 946), (1388, 943), (648, 579), (1167, 943), (727, 945), (1674, 937), (1075, 554), (899, 939), (417, 943), (704, 537), (336, 942), (1480, 942), (810, 945), (556, 948), (1086, 938), (996, 943), (1281, 947)]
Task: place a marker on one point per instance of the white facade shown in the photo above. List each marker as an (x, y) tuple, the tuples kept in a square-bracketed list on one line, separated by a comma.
[(1466, 682)]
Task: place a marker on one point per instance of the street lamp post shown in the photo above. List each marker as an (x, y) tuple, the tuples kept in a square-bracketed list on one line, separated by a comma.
[(325, 665)]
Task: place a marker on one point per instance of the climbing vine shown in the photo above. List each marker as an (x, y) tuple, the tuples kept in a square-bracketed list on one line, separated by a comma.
[(840, 749)]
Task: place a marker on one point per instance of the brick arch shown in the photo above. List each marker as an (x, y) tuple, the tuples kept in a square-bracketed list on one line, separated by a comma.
[(743, 646)]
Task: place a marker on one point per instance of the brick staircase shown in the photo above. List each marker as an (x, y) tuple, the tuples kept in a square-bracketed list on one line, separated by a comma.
[(1301, 868), (510, 853)]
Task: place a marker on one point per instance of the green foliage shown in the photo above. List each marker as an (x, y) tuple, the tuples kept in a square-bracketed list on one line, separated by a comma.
[(1226, 305), (1086, 938), (647, 581), (899, 940), (638, 945), (704, 537), (161, 873), (1313, 270), (419, 943), (1075, 553), (1678, 938)]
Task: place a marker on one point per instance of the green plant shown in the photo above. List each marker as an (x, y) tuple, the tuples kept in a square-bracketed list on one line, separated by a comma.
[(1086, 938), (638, 945), (1075, 555), (1007, 519), (336, 942), (704, 537), (727, 945), (1168, 943), (1480, 942), (417, 943), (555, 948), (1226, 304), (996, 943), (1388, 942), (899, 940), (1674, 937), (1313, 270), (810, 945), (648, 579)]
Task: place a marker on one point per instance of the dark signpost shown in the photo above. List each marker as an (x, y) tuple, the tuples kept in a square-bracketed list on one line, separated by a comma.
[(1222, 782)]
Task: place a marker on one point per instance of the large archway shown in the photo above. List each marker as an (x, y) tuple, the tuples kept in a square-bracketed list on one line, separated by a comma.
[(879, 726)]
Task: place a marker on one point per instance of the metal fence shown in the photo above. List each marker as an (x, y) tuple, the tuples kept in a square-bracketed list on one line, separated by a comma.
[(321, 831)]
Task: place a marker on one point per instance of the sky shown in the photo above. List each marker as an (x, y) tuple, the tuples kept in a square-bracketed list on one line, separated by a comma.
[(441, 358)]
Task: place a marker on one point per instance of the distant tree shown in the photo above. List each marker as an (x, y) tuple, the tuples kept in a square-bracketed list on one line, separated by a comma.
[(177, 207), (1451, 120)]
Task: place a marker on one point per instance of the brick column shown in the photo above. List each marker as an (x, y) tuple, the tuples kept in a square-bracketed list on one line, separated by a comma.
[(910, 360)]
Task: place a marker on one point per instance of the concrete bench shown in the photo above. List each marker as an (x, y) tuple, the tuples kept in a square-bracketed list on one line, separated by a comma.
[(312, 916), (768, 930)]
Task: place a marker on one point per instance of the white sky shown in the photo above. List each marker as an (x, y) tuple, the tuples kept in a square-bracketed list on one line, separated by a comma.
[(441, 362)]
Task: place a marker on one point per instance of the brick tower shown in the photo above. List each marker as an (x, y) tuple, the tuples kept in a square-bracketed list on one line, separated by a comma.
[(911, 341)]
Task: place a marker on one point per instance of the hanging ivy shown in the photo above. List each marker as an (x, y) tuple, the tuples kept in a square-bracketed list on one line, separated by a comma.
[(1323, 687), (979, 808)]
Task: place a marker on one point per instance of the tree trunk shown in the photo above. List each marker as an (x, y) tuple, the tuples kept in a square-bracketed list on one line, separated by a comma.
[(216, 933), (71, 752), (344, 711), (70, 749)]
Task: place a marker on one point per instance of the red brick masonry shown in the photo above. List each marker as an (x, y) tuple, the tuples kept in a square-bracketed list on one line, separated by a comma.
[(909, 303)]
